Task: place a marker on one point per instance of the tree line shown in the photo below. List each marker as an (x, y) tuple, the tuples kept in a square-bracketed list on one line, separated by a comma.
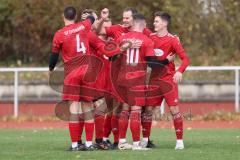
[(208, 29)]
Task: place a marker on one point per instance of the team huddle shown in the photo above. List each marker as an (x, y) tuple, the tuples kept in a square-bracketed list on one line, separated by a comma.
[(114, 76)]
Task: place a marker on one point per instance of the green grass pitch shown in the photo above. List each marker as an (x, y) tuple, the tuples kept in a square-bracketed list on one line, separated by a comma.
[(50, 144)]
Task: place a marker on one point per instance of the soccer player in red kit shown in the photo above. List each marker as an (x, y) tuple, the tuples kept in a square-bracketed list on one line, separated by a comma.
[(164, 45), (101, 128), (97, 48), (115, 31), (72, 42), (100, 108), (133, 66), (101, 84)]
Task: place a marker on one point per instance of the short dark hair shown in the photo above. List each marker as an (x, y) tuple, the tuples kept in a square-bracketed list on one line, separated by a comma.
[(70, 13), (139, 16), (163, 15), (133, 10)]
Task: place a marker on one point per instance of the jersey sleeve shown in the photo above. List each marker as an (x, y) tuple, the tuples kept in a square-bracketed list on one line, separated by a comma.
[(57, 43), (87, 23), (147, 31), (179, 50), (94, 41), (149, 48), (111, 31), (99, 45)]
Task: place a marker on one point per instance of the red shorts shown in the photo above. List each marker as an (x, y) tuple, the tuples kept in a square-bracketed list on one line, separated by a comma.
[(79, 88), (171, 96), (103, 84), (108, 82), (130, 92), (72, 85), (110, 88)]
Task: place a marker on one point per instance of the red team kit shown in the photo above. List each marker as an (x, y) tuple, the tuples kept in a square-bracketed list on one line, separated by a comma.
[(119, 75)]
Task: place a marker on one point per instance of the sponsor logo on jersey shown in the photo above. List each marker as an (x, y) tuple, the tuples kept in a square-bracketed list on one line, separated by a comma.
[(158, 52), (134, 40)]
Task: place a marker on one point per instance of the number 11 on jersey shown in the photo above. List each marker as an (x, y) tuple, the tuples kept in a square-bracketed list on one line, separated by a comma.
[(133, 56)]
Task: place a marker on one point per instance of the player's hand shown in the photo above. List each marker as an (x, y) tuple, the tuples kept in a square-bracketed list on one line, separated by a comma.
[(177, 78), (171, 57), (95, 15), (125, 45), (105, 13)]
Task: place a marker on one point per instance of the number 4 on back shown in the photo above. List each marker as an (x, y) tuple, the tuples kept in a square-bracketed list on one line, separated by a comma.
[(80, 45)]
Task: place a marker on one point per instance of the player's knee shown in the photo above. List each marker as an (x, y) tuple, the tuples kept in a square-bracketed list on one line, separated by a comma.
[(133, 108), (148, 109), (74, 108), (100, 110), (89, 121), (125, 107), (174, 109)]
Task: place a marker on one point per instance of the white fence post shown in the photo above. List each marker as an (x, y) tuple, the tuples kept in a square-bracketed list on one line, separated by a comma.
[(237, 90), (16, 93)]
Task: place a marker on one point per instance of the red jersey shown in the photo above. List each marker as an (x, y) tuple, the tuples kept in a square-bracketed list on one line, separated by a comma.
[(137, 55), (115, 31), (97, 48), (132, 69), (163, 46), (96, 44), (72, 40)]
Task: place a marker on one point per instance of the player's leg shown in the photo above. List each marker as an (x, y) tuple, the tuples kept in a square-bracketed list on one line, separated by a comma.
[(88, 108), (81, 126), (172, 101), (75, 126), (135, 126), (123, 125), (117, 108), (178, 125), (146, 121), (100, 110), (107, 122), (76, 120), (146, 115)]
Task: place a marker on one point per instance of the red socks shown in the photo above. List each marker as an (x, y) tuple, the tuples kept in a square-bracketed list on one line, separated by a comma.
[(135, 124), (99, 124), (123, 123), (111, 124), (107, 126), (81, 126), (89, 129), (74, 130), (178, 125), (115, 130), (146, 124)]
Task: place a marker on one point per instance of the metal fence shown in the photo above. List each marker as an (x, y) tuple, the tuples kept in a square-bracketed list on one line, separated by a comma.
[(192, 68)]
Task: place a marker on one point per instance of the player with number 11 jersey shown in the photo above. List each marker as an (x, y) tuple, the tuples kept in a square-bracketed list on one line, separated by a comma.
[(134, 66)]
